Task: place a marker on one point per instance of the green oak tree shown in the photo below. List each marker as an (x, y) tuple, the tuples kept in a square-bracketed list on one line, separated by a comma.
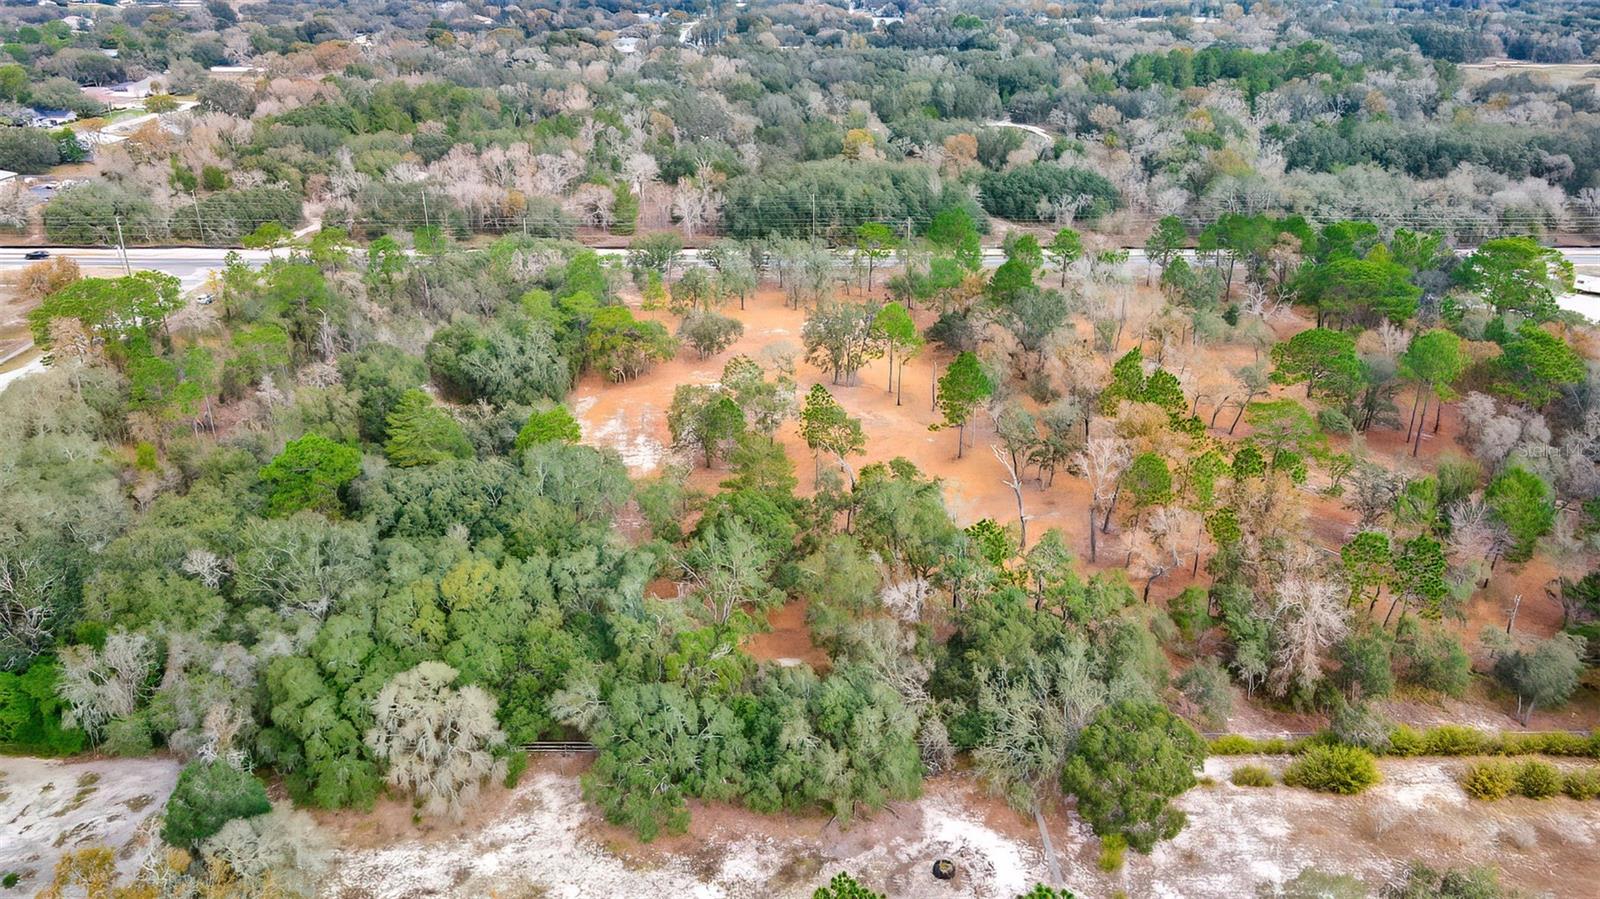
[(1129, 762), (309, 474)]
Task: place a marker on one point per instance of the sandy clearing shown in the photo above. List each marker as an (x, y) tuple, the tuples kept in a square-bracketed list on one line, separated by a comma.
[(49, 807), (1238, 838)]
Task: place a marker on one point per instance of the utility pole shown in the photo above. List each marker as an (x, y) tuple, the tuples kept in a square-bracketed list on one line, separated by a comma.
[(813, 215), (427, 291), (197, 219), (123, 248)]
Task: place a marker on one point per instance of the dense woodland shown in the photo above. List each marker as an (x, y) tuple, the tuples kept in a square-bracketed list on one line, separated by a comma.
[(340, 530), (806, 119)]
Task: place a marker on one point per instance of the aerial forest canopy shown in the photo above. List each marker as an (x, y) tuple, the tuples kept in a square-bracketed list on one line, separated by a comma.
[(550, 388)]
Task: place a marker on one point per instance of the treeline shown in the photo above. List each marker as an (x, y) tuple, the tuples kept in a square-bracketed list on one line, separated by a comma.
[(1255, 72)]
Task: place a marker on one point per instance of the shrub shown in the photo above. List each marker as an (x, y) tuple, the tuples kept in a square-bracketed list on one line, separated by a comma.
[(1489, 780), (129, 736), (1584, 783), (1436, 661), (1538, 780), (144, 456), (1206, 685), (1453, 739), (1332, 421), (1563, 744), (30, 713), (843, 886), (1233, 744), (1333, 768), (1112, 849), (209, 795), (1405, 741), (515, 765), (1252, 776), (1361, 725), (1423, 882)]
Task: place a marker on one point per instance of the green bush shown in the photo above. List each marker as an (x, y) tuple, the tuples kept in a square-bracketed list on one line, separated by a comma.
[(1112, 848), (1453, 739), (1406, 741), (1538, 780), (515, 765), (1562, 744), (1332, 421), (129, 737), (1345, 770), (209, 795), (1235, 744), (1252, 776), (1489, 780), (1584, 783), (30, 713), (144, 456)]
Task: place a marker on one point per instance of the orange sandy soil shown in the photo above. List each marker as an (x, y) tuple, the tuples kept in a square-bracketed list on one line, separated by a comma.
[(789, 640), (631, 418)]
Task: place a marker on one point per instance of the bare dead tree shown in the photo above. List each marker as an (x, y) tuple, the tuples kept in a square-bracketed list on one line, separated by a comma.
[(1014, 481)]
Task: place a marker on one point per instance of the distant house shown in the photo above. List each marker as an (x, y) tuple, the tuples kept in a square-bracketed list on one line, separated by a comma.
[(51, 118), (128, 93), (233, 71)]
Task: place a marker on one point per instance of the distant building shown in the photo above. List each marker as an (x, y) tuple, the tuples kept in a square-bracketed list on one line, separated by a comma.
[(128, 93), (7, 177), (51, 118)]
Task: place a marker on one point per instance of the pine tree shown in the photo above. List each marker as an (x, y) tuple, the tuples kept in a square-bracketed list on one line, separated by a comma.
[(962, 388), (422, 434)]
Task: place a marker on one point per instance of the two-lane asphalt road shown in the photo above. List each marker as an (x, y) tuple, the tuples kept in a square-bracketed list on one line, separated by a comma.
[(191, 265), (194, 263)]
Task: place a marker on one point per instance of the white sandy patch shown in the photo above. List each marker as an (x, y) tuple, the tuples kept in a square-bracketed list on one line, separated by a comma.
[(49, 807), (991, 863), (1237, 839), (538, 846), (631, 439)]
